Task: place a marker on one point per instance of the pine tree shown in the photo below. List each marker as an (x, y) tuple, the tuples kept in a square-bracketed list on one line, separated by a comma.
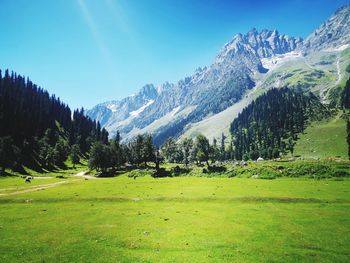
[(74, 155)]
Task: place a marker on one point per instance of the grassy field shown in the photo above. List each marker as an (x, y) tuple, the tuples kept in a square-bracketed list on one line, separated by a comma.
[(181, 219), (316, 141)]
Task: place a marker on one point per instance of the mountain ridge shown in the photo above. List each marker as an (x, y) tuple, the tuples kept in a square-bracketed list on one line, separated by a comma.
[(238, 67)]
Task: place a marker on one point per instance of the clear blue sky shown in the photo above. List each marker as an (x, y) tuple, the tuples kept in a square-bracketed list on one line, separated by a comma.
[(91, 51)]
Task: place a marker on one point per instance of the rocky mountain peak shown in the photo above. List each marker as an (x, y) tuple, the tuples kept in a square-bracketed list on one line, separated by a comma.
[(265, 43), (148, 91), (332, 34), (170, 109)]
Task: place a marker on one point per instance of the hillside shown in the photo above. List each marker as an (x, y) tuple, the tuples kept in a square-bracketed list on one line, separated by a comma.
[(245, 67), (323, 139), (270, 125), (37, 129)]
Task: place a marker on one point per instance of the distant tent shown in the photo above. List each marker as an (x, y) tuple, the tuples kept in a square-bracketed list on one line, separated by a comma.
[(260, 159)]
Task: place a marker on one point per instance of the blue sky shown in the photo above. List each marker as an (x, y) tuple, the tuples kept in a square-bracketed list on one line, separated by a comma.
[(91, 51)]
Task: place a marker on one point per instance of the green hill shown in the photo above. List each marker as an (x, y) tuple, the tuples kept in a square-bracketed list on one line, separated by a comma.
[(323, 139)]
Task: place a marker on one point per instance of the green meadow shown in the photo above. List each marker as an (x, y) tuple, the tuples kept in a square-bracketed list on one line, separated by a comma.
[(316, 141), (178, 219)]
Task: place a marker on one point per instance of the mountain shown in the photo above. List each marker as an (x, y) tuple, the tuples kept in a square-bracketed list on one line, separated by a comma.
[(128, 108), (209, 99), (333, 34)]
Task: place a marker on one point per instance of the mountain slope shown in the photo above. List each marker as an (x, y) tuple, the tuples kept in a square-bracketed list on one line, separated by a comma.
[(315, 142), (272, 120), (243, 69)]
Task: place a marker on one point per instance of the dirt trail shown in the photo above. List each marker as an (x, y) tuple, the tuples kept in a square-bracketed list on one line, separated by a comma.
[(42, 186), (34, 188), (82, 174)]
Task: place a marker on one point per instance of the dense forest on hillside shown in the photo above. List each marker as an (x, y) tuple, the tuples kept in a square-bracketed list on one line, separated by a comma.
[(346, 107), (37, 129), (270, 125)]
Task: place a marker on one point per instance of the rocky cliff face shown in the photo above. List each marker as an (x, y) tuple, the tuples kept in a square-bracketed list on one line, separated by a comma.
[(332, 34), (114, 111), (168, 109)]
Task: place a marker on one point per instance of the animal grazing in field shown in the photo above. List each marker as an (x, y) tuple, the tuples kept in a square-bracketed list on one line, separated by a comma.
[(28, 178)]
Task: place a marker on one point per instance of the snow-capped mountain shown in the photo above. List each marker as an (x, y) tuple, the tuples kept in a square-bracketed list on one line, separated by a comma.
[(130, 107), (243, 66)]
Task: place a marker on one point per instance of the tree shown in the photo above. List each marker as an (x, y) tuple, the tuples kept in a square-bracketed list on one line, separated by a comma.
[(186, 146), (171, 151), (348, 136), (346, 107), (345, 98), (214, 154), (9, 153), (291, 144), (136, 148), (74, 154), (148, 150), (99, 157), (46, 152), (222, 147), (116, 153), (253, 155), (157, 159), (61, 151), (203, 147)]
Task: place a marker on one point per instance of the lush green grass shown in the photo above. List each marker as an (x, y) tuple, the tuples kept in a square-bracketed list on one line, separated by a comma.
[(182, 219), (323, 139)]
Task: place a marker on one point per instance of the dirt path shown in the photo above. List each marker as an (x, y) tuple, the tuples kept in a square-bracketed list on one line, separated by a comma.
[(82, 174), (40, 187), (34, 188)]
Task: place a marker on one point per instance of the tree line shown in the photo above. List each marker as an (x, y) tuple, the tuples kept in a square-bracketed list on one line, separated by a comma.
[(141, 150), (37, 129)]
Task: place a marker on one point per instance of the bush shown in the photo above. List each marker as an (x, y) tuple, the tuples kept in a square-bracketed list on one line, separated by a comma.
[(177, 170), (161, 173), (217, 169), (140, 173)]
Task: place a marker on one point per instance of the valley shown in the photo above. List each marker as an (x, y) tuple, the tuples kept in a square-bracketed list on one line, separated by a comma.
[(246, 159)]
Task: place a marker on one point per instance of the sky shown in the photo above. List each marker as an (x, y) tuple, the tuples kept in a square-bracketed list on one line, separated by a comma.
[(91, 51)]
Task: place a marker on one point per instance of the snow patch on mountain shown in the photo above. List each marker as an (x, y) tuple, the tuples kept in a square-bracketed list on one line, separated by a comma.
[(112, 107), (337, 49), (138, 111), (275, 61)]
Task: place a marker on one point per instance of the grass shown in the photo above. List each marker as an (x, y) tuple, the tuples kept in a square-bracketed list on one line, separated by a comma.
[(316, 141), (181, 219)]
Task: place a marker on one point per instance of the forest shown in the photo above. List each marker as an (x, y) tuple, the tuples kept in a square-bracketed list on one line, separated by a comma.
[(270, 125), (37, 129)]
